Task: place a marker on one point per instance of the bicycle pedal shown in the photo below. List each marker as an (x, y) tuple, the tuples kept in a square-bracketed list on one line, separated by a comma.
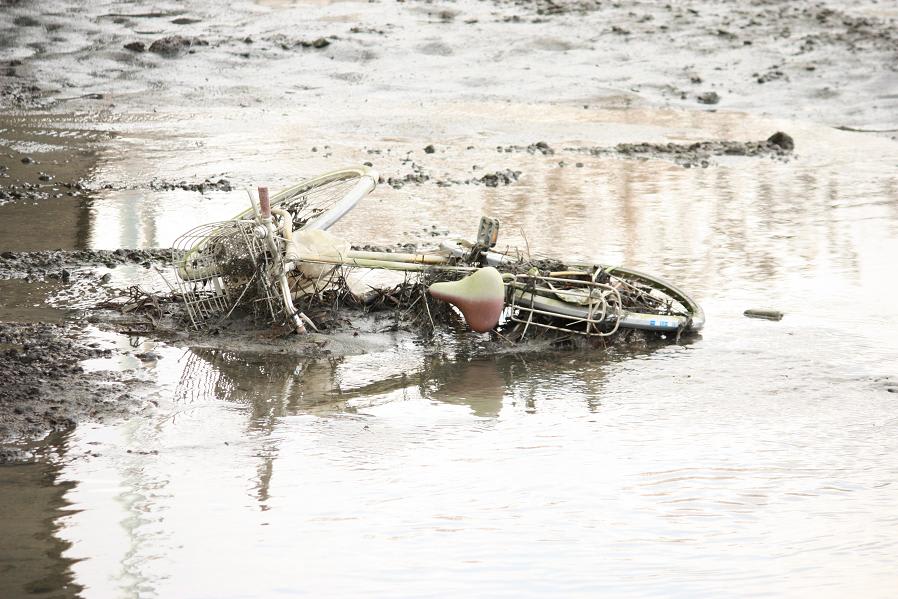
[(488, 232)]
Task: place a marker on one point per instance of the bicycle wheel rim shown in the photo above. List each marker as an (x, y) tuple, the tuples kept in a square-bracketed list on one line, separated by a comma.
[(321, 201)]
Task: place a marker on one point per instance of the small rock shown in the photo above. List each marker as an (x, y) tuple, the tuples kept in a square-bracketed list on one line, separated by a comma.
[(26, 21), (174, 45), (136, 46), (708, 98), (317, 44), (783, 140), (429, 149)]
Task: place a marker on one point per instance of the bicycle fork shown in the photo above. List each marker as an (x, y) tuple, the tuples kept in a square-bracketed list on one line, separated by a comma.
[(279, 268)]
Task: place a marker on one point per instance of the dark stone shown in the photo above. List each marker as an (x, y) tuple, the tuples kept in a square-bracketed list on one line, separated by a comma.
[(783, 140), (429, 149), (174, 45), (136, 46), (26, 21), (708, 98)]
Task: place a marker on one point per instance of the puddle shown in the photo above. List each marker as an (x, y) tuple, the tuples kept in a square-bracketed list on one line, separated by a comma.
[(32, 558), (507, 457)]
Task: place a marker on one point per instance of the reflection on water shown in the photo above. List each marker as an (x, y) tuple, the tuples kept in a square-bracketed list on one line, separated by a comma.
[(275, 386), (63, 152), (548, 473), (31, 554)]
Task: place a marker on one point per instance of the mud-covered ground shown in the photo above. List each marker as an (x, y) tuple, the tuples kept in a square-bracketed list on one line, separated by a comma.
[(46, 389), (104, 67)]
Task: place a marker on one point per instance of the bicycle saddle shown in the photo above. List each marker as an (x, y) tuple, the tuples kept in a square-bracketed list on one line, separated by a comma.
[(480, 297)]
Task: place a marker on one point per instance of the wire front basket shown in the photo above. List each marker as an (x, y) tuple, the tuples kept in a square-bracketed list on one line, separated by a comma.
[(222, 266)]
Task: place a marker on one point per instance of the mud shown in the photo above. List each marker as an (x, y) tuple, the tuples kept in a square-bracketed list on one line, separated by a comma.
[(45, 387), (779, 146), (420, 176), (59, 264)]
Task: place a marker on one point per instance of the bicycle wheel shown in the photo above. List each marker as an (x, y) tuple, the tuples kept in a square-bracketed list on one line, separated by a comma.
[(596, 300), (320, 202)]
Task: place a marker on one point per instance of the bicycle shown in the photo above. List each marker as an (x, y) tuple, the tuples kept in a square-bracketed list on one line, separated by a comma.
[(279, 251)]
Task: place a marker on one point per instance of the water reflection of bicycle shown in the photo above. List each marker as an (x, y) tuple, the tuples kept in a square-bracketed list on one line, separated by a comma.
[(274, 386)]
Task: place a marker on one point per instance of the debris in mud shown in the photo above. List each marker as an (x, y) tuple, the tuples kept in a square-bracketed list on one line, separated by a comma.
[(495, 179), (318, 43), (539, 147), (286, 43), (506, 177), (772, 75), (779, 145), (175, 45), (45, 388), (552, 7), (765, 314), (31, 192), (400, 182), (26, 21), (20, 95), (207, 185)]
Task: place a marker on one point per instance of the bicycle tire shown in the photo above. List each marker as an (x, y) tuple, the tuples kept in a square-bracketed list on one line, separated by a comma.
[(321, 201), (690, 319)]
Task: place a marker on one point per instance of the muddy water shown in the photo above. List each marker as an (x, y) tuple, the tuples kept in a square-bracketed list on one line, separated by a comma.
[(757, 459)]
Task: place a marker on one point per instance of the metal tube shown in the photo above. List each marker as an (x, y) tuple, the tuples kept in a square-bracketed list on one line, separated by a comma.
[(385, 264), (398, 257), (264, 203)]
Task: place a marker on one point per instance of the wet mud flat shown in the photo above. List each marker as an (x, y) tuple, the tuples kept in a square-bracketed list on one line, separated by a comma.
[(45, 387), (788, 59)]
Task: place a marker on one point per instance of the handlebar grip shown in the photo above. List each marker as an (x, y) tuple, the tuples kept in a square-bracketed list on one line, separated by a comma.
[(264, 202)]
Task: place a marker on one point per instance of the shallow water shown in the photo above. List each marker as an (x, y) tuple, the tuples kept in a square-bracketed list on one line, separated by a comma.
[(757, 460)]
